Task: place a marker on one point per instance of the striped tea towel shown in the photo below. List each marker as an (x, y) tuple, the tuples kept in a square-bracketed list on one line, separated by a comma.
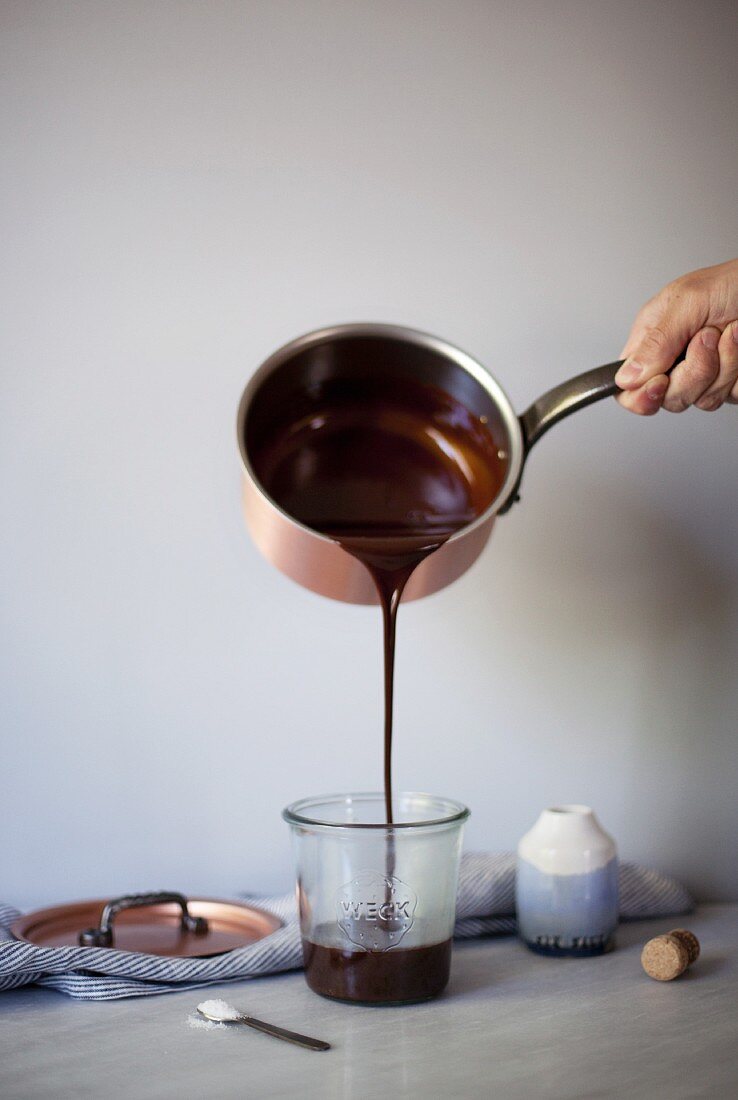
[(485, 906)]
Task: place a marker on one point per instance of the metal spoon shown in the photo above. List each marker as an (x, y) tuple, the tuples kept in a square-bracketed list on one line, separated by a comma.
[(269, 1029)]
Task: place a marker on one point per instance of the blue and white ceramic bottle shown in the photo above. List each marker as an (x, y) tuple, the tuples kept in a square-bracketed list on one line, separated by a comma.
[(567, 884)]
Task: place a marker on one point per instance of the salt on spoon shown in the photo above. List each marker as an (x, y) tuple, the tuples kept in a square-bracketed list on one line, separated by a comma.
[(220, 1012)]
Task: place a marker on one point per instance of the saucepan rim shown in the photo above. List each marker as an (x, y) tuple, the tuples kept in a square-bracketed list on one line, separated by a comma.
[(408, 335)]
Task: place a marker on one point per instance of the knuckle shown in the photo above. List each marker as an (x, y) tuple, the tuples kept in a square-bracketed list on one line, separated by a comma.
[(728, 347), (677, 293), (655, 339), (703, 371), (691, 283)]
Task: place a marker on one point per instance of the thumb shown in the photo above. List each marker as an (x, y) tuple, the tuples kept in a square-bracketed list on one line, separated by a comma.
[(661, 331), (651, 352)]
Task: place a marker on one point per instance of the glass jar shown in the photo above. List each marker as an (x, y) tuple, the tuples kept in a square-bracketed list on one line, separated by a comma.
[(377, 902)]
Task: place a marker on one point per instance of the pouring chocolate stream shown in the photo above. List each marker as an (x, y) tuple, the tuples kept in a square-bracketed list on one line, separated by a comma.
[(390, 469)]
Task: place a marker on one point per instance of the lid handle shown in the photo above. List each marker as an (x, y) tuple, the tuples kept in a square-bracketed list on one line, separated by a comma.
[(102, 936)]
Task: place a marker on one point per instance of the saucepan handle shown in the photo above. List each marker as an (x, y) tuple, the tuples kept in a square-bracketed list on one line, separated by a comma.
[(567, 398), (559, 402)]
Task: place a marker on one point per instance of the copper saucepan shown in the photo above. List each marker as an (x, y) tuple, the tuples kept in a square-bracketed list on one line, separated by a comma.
[(316, 561)]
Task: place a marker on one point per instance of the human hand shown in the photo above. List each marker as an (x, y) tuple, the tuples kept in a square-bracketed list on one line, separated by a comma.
[(697, 312)]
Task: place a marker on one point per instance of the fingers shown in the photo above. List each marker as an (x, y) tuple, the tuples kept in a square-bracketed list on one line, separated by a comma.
[(707, 378), (696, 375), (725, 383), (659, 335), (654, 352), (646, 400), (697, 312)]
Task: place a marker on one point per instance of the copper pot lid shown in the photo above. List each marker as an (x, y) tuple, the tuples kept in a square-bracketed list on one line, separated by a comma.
[(157, 924)]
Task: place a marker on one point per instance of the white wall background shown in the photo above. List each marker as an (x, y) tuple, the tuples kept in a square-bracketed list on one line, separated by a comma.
[(187, 185)]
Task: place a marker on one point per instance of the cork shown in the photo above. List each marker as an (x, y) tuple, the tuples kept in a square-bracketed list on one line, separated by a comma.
[(690, 941), (666, 957)]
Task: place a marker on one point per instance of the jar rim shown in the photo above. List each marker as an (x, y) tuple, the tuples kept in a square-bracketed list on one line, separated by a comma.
[(295, 813)]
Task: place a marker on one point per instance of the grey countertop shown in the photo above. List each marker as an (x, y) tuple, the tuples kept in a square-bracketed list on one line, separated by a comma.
[(510, 1025)]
